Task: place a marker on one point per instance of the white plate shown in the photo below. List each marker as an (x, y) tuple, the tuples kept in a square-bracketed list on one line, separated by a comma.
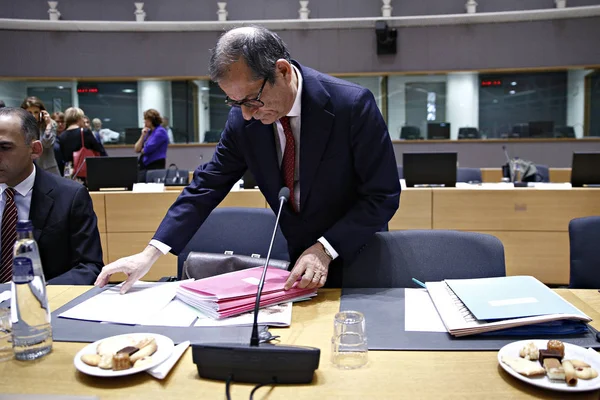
[(164, 350), (572, 352)]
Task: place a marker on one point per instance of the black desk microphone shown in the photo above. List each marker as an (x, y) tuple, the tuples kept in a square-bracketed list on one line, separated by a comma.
[(257, 363)]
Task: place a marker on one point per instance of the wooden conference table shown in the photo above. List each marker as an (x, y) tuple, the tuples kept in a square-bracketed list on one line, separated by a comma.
[(388, 375), (531, 223)]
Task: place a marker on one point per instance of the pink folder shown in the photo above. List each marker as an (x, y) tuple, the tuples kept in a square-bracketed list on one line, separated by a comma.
[(240, 284)]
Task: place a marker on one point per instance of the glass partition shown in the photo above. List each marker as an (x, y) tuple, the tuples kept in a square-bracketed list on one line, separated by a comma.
[(460, 105)]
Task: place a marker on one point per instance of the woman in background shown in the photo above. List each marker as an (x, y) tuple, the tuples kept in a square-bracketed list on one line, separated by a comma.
[(70, 139), (153, 142), (47, 128), (59, 118)]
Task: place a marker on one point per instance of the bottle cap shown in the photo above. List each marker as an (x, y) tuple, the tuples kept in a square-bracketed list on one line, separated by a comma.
[(24, 225)]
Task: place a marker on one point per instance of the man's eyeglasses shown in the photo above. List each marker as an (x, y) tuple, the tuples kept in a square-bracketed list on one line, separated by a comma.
[(250, 103)]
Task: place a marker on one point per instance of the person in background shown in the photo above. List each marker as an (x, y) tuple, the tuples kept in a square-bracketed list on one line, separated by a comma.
[(165, 124), (66, 227), (153, 142), (47, 133), (2, 104), (104, 135), (86, 122), (70, 139), (59, 118), (322, 138)]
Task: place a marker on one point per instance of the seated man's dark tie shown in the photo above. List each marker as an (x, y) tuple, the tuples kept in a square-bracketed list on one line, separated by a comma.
[(9, 235)]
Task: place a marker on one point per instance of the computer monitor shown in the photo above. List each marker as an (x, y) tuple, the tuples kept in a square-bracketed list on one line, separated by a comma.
[(585, 169), (111, 172), (429, 169), (249, 181), (539, 129), (439, 130)]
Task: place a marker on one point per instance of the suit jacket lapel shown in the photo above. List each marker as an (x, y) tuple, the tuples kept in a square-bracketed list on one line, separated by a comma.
[(316, 126), (41, 203)]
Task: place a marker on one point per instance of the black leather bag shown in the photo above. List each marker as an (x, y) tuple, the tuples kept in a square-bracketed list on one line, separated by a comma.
[(200, 265), (171, 176)]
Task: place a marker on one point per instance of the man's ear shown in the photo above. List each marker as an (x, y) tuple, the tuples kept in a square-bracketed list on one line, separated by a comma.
[(285, 68), (37, 149)]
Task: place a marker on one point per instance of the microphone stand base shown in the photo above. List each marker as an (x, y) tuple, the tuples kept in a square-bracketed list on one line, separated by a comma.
[(265, 363)]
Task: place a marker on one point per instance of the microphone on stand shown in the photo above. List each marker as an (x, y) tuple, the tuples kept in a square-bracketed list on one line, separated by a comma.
[(257, 363), (284, 197)]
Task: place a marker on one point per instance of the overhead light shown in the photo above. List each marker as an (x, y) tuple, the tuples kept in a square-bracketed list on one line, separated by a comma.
[(106, 119), (513, 83), (128, 90), (61, 87), (512, 92)]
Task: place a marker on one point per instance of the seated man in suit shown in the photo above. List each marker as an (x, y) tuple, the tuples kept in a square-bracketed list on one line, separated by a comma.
[(65, 225), (322, 137)]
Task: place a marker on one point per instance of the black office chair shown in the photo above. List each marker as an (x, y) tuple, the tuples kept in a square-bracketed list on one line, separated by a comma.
[(584, 237), (468, 175), (242, 230), (565, 132), (410, 133), (400, 171), (468, 133), (520, 131), (543, 173), (392, 259)]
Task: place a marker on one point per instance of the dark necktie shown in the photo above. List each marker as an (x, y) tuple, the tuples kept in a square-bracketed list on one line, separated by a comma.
[(288, 164), (9, 235)]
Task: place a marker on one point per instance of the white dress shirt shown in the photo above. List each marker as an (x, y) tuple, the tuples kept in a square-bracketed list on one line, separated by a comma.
[(294, 115), (23, 193)]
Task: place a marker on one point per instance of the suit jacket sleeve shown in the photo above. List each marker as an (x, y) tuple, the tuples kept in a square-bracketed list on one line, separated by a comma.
[(86, 250), (379, 186), (212, 182)]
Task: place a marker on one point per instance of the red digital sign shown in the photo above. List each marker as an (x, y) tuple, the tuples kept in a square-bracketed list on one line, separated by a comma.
[(491, 82), (87, 90)]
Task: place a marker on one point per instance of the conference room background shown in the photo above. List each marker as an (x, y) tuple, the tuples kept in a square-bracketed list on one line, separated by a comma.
[(501, 78)]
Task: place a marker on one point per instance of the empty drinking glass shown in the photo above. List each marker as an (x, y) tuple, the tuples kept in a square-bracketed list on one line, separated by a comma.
[(6, 348), (349, 348)]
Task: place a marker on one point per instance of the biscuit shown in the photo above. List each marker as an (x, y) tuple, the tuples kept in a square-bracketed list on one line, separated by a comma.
[(523, 366)]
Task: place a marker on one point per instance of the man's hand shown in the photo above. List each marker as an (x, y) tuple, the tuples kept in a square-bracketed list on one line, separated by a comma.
[(134, 267), (313, 265)]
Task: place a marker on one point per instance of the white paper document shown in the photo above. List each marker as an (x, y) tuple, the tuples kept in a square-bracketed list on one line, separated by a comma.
[(176, 313), (140, 303), (420, 314), (277, 315)]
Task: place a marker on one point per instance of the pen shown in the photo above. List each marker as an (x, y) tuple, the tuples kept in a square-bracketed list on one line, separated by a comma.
[(418, 282)]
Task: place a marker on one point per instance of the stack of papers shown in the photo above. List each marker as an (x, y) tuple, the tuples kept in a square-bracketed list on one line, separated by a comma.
[(513, 305), (234, 293)]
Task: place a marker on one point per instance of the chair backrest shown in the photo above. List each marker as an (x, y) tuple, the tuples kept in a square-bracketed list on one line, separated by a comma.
[(468, 175), (410, 132), (468, 133), (242, 230), (543, 173), (392, 259), (584, 238)]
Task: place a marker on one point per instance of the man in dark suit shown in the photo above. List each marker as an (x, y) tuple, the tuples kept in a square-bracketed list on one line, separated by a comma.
[(322, 137), (65, 225)]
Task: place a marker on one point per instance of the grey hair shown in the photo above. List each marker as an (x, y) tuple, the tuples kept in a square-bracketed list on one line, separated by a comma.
[(29, 126), (258, 46)]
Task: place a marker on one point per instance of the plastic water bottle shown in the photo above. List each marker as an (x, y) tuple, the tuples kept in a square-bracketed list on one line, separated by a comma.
[(30, 314)]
